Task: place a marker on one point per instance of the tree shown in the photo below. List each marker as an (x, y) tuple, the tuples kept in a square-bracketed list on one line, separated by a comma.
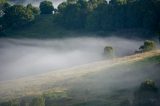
[(46, 7), (17, 16), (34, 10), (147, 94), (148, 46), (72, 15)]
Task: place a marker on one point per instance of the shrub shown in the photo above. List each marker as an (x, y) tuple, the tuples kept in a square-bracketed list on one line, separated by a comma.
[(147, 94), (148, 46), (108, 51)]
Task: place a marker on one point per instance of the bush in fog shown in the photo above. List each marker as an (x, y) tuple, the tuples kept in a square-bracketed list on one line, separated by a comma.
[(38, 101), (108, 51), (147, 94), (46, 7), (148, 46)]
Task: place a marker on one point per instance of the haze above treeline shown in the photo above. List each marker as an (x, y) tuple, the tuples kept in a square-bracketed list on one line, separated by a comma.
[(81, 15)]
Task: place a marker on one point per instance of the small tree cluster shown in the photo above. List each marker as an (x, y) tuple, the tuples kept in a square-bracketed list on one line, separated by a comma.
[(148, 46)]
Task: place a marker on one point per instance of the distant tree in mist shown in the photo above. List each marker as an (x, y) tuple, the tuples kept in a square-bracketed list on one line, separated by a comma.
[(148, 46), (108, 51), (147, 94), (46, 7)]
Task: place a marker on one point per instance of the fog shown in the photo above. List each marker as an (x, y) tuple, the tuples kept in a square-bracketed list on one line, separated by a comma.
[(22, 57)]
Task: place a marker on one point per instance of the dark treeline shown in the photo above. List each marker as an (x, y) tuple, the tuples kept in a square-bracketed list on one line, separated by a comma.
[(89, 15), (115, 15)]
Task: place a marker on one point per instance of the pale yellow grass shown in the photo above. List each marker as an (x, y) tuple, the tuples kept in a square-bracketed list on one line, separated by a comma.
[(35, 85)]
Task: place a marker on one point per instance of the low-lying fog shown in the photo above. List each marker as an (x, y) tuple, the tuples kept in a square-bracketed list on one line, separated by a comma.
[(22, 57)]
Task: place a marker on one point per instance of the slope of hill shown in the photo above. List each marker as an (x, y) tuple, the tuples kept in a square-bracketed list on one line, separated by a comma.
[(42, 27), (66, 78)]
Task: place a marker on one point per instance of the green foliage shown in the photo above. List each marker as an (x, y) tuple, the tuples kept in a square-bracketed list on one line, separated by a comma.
[(35, 10), (39, 101), (5, 104), (46, 7), (148, 85), (3, 1), (147, 94), (5, 6), (99, 15), (17, 16), (72, 15), (10, 103), (148, 46)]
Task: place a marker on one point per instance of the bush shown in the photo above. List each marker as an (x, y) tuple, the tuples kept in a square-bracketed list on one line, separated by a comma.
[(148, 46), (46, 7), (147, 94), (148, 85), (108, 51)]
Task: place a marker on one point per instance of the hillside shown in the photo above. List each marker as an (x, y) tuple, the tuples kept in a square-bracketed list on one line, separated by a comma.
[(90, 73), (42, 27)]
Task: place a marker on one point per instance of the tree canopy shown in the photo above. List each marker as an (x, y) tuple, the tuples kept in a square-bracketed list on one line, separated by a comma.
[(46, 7), (90, 15), (17, 15), (99, 15)]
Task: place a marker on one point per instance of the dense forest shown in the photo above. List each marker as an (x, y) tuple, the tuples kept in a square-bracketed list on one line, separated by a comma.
[(88, 15)]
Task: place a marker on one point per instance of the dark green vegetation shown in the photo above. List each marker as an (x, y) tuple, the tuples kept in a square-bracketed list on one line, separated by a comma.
[(147, 94), (127, 89), (83, 15), (46, 7), (148, 46), (108, 51)]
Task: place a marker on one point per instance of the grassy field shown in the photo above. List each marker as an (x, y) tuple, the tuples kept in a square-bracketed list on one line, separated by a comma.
[(97, 84)]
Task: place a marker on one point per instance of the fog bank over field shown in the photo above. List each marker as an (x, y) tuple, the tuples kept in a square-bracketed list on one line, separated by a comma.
[(21, 57)]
